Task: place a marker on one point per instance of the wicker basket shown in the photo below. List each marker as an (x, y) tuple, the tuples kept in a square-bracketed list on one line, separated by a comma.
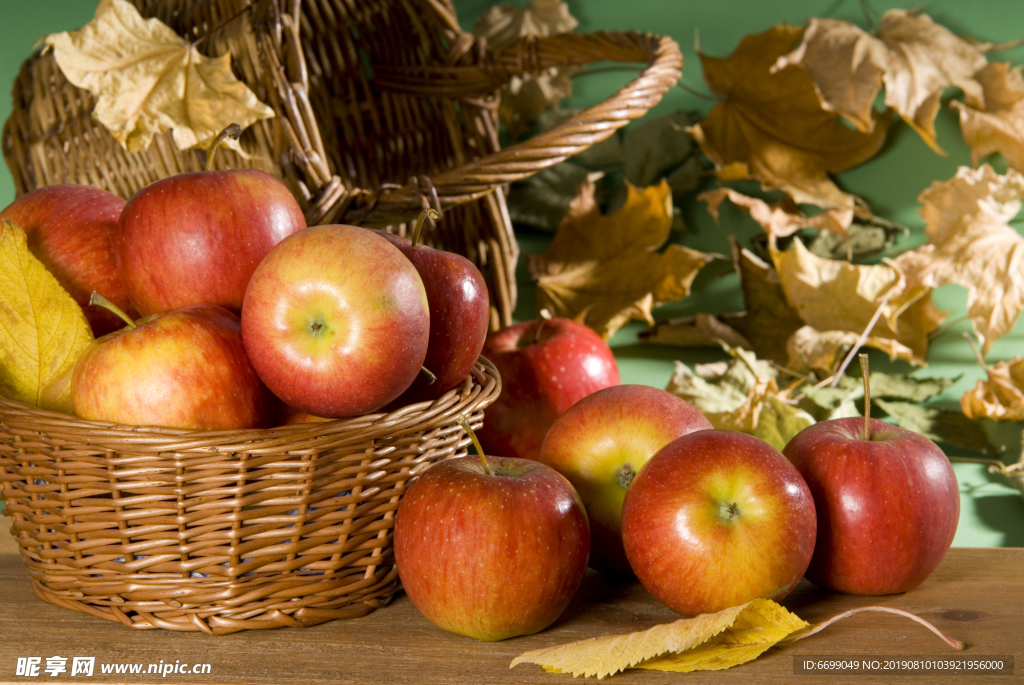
[(221, 531), (383, 107)]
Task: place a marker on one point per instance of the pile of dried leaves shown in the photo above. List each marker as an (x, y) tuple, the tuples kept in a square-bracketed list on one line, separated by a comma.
[(827, 277)]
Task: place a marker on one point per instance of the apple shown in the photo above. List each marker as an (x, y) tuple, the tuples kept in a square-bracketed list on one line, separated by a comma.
[(600, 444), (546, 366), (459, 314), (197, 237), (184, 368), (70, 229), (491, 547), (888, 504), (335, 320), (715, 519)]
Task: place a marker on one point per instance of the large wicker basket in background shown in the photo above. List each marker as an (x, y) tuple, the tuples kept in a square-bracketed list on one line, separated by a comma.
[(383, 107), (221, 531)]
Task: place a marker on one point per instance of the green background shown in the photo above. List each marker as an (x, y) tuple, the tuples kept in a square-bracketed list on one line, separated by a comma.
[(992, 513)]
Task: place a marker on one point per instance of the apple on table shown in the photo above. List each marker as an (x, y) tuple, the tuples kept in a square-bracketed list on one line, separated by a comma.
[(601, 442), (715, 519), (546, 366), (491, 547)]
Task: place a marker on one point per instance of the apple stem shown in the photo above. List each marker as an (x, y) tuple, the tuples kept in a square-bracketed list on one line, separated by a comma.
[(233, 131), (544, 315), (99, 300), (476, 443), (867, 394), (431, 377), (807, 632), (420, 220)]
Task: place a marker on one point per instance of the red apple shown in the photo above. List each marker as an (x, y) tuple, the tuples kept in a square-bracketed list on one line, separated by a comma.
[(69, 229), (491, 555), (888, 504), (184, 368), (543, 373), (715, 519), (459, 316), (336, 321), (600, 444), (197, 237)]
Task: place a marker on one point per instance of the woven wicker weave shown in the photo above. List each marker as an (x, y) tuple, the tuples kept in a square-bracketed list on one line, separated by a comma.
[(221, 531), (383, 107)]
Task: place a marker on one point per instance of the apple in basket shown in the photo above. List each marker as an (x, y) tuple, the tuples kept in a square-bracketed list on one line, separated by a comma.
[(70, 230), (601, 443), (336, 321), (197, 237), (546, 366), (184, 368), (491, 547), (459, 314)]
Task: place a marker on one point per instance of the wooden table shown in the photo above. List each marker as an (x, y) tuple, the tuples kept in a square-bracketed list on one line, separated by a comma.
[(976, 595)]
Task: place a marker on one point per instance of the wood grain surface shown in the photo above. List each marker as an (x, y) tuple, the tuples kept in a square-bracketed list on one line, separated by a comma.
[(976, 595)]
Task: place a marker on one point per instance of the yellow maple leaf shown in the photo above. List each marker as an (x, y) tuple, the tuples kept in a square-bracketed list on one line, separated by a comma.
[(970, 243), (999, 126), (605, 270), (833, 295), (42, 329), (915, 58), (779, 219), (147, 79), (771, 126), (706, 642)]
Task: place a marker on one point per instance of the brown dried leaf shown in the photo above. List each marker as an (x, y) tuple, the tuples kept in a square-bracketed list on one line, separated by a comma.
[(526, 97), (606, 270), (702, 330), (779, 219), (1001, 397), (707, 642), (832, 295), (148, 79), (915, 58), (971, 244), (771, 126), (999, 126)]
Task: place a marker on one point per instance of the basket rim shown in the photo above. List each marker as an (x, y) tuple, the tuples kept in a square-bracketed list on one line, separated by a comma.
[(478, 390)]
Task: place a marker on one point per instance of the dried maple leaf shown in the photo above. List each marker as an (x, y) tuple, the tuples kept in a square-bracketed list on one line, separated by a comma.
[(1001, 397), (741, 395), (971, 244), (706, 642), (606, 270), (771, 126), (833, 295), (999, 126), (527, 96), (147, 79), (779, 219), (915, 58)]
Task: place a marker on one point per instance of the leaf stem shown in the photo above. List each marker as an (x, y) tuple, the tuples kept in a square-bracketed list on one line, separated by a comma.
[(860, 341), (476, 443), (807, 632)]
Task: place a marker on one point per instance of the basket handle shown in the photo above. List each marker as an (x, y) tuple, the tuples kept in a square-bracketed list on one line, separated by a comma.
[(547, 148)]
